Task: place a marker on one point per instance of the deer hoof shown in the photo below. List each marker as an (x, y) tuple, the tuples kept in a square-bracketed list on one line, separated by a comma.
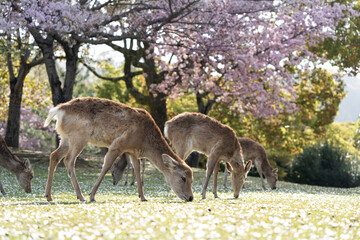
[(48, 197)]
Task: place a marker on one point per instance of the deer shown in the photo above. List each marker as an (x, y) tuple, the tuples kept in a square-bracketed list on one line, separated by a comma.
[(120, 128), (188, 132), (256, 152), (21, 169), (119, 167)]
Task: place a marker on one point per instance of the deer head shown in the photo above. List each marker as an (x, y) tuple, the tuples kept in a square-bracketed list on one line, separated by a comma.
[(25, 175), (272, 178), (179, 177), (238, 175)]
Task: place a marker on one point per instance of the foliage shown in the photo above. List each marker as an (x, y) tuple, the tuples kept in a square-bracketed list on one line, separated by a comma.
[(185, 103), (292, 211), (84, 86), (36, 93), (343, 135), (36, 101), (280, 160), (319, 96), (117, 90), (343, 51), (324, 165), (356, 143)]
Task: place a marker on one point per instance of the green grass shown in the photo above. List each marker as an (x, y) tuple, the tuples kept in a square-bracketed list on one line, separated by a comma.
[(291, 212)]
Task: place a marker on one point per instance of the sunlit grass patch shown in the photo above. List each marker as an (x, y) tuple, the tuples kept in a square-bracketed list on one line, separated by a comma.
[(292, 211)]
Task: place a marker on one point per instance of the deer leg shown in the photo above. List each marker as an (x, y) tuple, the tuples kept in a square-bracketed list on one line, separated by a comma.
[(127, 170), (109, 160), (136, 164), (69, 162), (133, 177), (216, 171), (143, 163), (55, 158), (2, 189), (209, 170), (258, 167), (226, 173)]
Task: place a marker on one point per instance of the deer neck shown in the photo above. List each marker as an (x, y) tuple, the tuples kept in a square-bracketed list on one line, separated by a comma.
[(9, 164), (155, 156), (266, 167)]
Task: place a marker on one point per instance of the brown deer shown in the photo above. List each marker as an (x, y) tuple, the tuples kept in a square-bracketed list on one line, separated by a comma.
[(118, 169), (120, 128), (188, 132), (256, 152), (22, 169)]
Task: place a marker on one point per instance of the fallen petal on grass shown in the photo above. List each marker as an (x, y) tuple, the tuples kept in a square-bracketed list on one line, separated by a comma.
[(292, 211)]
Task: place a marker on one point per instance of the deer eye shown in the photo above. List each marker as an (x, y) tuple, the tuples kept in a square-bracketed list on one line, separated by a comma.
[(183, 178)]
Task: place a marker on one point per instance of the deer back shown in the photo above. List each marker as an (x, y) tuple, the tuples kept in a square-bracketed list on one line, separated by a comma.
[(201, 133), (253, 150)]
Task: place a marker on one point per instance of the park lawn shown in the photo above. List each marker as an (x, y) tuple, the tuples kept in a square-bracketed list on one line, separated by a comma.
[(292, 211)]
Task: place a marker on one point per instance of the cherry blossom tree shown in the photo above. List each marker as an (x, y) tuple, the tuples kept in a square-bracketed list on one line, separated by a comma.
[(241, 53), (240, 50), (51, 24), (236, 52)]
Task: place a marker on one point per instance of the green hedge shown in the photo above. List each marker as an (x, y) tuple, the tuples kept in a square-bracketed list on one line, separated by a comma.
[(324, 165)]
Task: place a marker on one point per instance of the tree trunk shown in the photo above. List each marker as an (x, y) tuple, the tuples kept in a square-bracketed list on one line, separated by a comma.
[(13, 122), (16, 90), (158, 110), (71, 68), (59, 94)]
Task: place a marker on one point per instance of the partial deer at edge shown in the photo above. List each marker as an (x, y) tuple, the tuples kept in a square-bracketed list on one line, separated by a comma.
[(22, 169), (188, 132), (122, 129), (256, 152), (119, 166)]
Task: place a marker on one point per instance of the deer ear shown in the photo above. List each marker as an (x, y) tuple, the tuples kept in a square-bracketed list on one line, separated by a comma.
[(275, 170), (169, 161), (228, 167), (248, 166), (27, 165)]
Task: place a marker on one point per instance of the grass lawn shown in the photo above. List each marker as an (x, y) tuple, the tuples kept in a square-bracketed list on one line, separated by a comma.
[(291, 212)]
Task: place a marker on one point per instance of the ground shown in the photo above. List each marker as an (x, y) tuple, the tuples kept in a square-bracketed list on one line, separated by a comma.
[(289, 212)]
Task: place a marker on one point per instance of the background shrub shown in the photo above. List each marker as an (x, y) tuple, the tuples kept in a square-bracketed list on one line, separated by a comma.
[(324, 165)]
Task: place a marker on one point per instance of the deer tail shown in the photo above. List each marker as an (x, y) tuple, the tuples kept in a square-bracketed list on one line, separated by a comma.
[(166, 131), (51, 115)]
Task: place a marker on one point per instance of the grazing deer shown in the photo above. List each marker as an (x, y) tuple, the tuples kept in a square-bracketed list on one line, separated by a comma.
[(120, 128), (22, 169), (190, 132), (256, 152), (119, 167)]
